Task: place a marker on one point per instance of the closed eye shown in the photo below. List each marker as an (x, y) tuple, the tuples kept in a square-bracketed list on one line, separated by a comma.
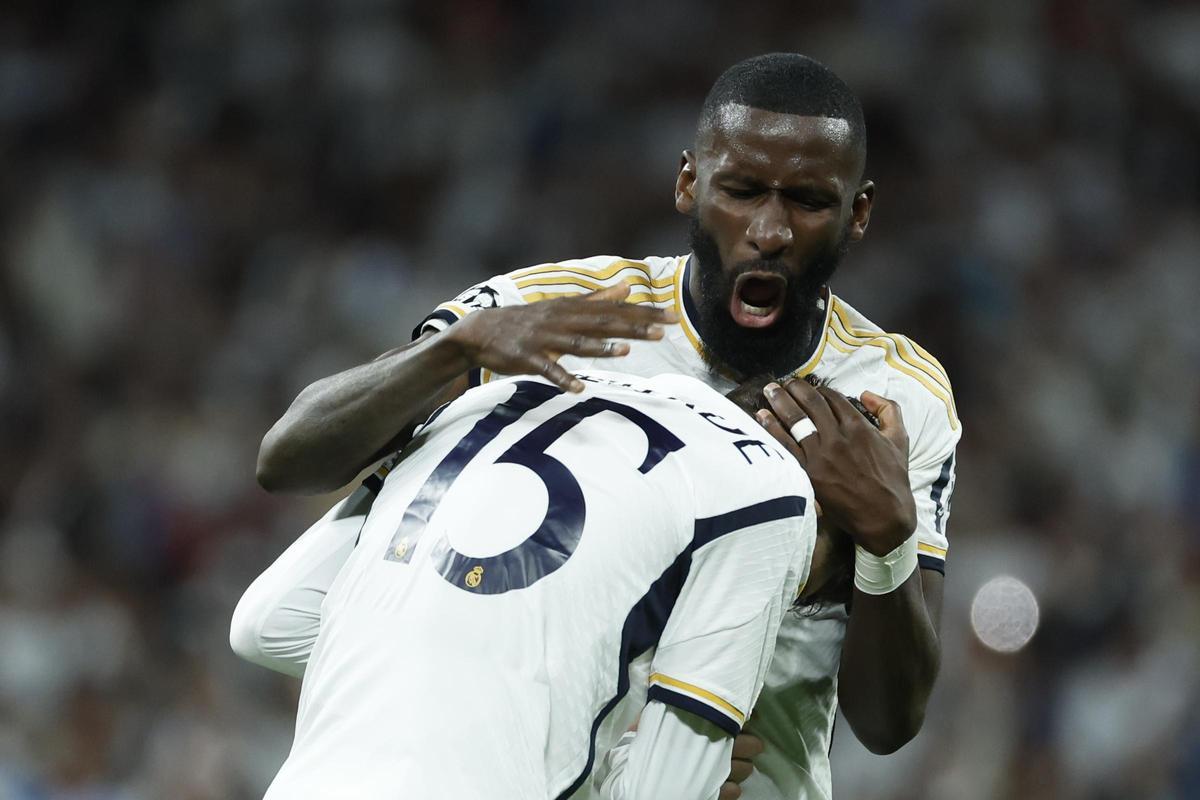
[(811, 201), (742, 192)]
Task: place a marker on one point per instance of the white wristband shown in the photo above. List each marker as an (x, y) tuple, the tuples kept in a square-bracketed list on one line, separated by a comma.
[(882, 574)]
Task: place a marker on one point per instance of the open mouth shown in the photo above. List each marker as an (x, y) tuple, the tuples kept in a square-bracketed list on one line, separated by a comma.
[(757, 299)]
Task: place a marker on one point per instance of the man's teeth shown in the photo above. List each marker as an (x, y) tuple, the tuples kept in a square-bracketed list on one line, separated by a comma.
[(756, 311)]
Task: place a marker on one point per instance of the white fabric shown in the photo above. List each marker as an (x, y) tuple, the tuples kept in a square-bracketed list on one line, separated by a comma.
[(796, 710), (277, 620), (672, 755), (409, 670), (882, 574)]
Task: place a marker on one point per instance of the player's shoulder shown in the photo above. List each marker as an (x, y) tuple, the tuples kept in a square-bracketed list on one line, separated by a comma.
[(912, 376), (739, 464), (651, 279)]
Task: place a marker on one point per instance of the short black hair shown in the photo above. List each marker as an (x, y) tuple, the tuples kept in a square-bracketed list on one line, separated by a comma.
[(786, 83)]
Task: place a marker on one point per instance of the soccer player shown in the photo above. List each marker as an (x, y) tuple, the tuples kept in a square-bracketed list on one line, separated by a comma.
[(775, 192), (481, 631)]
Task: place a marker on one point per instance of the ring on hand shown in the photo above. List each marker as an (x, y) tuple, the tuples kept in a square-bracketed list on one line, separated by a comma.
[(802, 429)]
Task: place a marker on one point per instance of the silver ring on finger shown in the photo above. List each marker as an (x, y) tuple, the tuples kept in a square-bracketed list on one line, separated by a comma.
[(802, 429)]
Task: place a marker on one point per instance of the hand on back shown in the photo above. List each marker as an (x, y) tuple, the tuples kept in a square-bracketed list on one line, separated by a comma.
[(529, 339)]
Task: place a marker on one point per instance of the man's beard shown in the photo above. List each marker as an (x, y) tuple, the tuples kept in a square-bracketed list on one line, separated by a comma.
[(776, 350)]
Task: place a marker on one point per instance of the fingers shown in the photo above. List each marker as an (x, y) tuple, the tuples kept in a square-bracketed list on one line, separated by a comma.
[(612, 320), (618, 293), (729, 791), (585, 346), (747, 746), (891, 421), (811, 402), (551, 371), (789, 414), (780, 434), (739, 770), (843, 412)]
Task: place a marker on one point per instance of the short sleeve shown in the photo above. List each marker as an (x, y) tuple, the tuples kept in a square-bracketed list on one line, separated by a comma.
[(931, 472), (495, 292), (933, 486), (650, 282), (746, 570)]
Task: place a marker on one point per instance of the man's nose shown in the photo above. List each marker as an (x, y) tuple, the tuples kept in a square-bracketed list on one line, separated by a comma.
[(769, 232)]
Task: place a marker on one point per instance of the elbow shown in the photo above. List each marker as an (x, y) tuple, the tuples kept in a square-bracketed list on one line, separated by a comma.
[(243, 634), (276, 473), (268, 470), (885, 737)]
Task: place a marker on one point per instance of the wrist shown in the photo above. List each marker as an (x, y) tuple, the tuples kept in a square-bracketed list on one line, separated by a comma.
[(874, 574), (455, 348)]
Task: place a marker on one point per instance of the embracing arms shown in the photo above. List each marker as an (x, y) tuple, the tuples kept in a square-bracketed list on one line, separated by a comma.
[(891, 653), (343, 423)]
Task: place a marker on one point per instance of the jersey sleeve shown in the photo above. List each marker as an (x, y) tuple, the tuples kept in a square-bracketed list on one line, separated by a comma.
[(495, 292), (931, 474), (278, 618), (745, 571), (547, 281), (672, 755)]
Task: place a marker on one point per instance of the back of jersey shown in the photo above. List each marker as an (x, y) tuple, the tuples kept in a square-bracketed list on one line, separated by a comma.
[(526, 547)]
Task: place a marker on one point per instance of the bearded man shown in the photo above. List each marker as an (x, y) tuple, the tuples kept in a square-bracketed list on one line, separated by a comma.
[(774, 188)]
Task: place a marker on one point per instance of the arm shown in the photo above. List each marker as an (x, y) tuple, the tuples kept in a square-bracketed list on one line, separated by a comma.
[(341, 424), (746, 747), (673, 754), (891, 653), (890, 661), (278, 619), (710, 665)]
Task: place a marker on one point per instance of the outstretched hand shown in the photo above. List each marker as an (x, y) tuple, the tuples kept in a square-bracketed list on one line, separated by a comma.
[(859, 473), (529, 339)]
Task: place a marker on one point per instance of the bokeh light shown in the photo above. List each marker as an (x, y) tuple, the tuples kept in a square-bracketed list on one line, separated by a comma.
[(1004, 614)]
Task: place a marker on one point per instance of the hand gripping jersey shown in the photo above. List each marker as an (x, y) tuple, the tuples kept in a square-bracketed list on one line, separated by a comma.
[(527, 547), (795, 715)]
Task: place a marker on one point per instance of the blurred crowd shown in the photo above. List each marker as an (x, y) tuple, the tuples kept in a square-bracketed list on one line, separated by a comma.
[(207, 204)]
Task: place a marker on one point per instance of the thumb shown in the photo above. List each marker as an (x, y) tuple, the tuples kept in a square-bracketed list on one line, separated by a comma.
[(618, 292), (891, 420)]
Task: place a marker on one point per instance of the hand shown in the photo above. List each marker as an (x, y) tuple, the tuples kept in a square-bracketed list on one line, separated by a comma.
[(859, 474), (746, 747), (529, 340)]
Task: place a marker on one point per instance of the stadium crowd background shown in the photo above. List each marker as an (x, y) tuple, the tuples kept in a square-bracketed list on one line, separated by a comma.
[(208, 204)]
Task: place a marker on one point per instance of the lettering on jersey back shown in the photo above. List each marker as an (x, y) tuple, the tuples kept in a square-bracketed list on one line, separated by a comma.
[(743, 445)]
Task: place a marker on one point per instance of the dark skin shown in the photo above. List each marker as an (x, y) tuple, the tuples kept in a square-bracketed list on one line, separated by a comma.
[(765, 185), (341, 424), (781, 186)]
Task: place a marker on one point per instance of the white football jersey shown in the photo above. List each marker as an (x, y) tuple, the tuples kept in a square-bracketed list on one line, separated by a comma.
[(796, 712), (527, 546)]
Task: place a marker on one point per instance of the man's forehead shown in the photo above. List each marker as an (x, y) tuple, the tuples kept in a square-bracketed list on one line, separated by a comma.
[(745, 128)]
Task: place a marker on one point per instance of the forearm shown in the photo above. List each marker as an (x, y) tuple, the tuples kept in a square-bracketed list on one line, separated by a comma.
[(278, 619), (338, 425), (673, 754), (890, 660)]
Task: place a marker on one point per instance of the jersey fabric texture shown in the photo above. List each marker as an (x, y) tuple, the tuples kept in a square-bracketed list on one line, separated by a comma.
[(527, 546), (796, 712)]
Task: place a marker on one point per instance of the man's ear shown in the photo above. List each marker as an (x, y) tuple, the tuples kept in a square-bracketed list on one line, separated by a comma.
[(860, 210), (685, 183)]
